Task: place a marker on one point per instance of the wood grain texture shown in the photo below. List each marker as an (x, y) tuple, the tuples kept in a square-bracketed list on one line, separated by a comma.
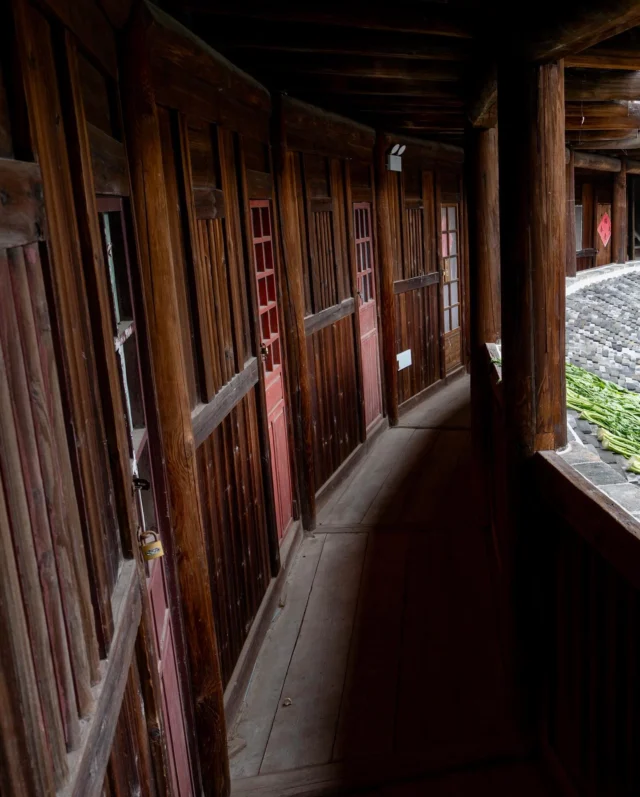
[(150, 205), (21, 203), (600, 163), (293, 302), (619, 217), (570, 182), (323, 318), (532, 224), (387, 303), (109, 163)]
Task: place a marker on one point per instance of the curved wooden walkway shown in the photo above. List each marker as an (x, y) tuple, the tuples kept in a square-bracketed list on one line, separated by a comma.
[(384, 664)]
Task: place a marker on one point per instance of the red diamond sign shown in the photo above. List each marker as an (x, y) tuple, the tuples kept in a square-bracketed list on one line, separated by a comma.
[(604, 229)]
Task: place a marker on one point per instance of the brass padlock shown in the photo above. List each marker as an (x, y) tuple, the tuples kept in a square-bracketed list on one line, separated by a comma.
[(151, 550)]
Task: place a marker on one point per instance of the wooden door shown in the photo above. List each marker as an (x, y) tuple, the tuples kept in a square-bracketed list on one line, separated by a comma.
[(603, 233), (451, 269), (366, 287), (147, 476), (271, 350)]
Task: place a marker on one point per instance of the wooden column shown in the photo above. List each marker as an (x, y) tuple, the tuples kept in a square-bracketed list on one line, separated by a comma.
[(619, 213), (484, 235), (532, 233), (157, 270), (570, 183), (292, 286), (387, 300)]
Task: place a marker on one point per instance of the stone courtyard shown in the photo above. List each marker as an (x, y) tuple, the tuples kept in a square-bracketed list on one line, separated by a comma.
[(603, 336)]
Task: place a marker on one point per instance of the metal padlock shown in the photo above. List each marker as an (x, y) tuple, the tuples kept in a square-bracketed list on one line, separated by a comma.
[(151, 550)]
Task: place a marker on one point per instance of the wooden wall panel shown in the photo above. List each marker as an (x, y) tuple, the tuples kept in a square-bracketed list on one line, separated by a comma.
[(234, 518), (332, 364), (417, 329)]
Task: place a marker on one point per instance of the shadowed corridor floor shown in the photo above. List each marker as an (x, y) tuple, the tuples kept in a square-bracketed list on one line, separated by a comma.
[(384, 662)]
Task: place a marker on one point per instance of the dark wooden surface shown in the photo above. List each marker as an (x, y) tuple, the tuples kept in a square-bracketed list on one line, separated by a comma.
[(532, 224), (323, 318), (619, 217), (570, 240), (414, 283)]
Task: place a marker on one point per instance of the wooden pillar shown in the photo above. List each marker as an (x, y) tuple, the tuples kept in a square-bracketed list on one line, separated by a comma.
[(387, 299), (292, 287), (157, 270), (484, 234), (619, 213), (570, 182), (532, 233)]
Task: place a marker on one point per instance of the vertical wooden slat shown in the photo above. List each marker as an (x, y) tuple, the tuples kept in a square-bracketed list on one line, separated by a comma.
[(150, 204), (39, 530), (27, 567), (619, 221), (571, 249), (26, 766)]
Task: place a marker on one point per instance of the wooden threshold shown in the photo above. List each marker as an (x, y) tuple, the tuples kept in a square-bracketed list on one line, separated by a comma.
[(352, 461), (241, 675)]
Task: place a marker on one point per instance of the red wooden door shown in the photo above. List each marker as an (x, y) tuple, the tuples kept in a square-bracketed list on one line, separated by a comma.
[(262, 239), (368, 312), (128, 342)]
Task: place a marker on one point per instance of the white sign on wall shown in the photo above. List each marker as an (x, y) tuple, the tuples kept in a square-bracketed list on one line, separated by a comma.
[(404, 359)]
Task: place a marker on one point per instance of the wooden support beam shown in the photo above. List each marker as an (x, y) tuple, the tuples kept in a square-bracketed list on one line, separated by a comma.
[(309, 86), (619, 217), (356, 66), (158, 280), (532, 231), (482, 108), (292, 286), (574, 25), (570, 181), (604, 58), (587, 85), (600, 163), (621, 115), (633, 167), (231, 36), (630, 142), (484, 232), (436, 20), (387, 298), (590, 136)]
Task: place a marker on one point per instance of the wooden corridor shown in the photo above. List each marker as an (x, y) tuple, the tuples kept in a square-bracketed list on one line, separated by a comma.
[(384, 661)]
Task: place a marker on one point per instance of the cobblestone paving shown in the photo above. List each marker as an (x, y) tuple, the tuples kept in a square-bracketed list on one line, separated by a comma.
[(603, 329), (603, 336)]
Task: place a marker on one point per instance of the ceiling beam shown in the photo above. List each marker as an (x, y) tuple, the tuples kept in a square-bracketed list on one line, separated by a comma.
[(601, 58), (602, 115), (590, 84), (631, 142), (563, 29), (589, 136), (306, 86), (434, 20), (234, 35), (355, 66), (482, 108)]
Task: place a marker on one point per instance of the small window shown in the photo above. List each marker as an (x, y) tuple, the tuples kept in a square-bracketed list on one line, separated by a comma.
[(578, 228)]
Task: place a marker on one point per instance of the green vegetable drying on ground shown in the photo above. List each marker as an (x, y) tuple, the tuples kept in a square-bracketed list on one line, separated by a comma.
[(613, 409)]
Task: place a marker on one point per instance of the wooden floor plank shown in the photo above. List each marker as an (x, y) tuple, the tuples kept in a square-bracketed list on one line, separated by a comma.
[(303, 732), (251, 734), (354, 501), (446, 409), (367, 714)]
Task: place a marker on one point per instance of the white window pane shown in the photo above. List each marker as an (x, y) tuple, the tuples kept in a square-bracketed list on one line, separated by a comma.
[(447, 300), (443, 219), (455, 322), (453, 243), (452, 219), (453, 268), (578, 228), (447, 322), (454, 293)]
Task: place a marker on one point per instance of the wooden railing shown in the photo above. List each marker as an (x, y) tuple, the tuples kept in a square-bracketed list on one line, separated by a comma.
[(589, 637), (572, 588)]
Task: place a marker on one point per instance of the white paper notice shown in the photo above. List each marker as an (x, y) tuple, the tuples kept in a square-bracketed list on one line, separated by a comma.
[(404, 359)]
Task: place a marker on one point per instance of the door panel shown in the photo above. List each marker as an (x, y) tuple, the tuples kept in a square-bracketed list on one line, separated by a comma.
[(127, 342), (452, 268), (271, 349), (603, 234), (368, 312)]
